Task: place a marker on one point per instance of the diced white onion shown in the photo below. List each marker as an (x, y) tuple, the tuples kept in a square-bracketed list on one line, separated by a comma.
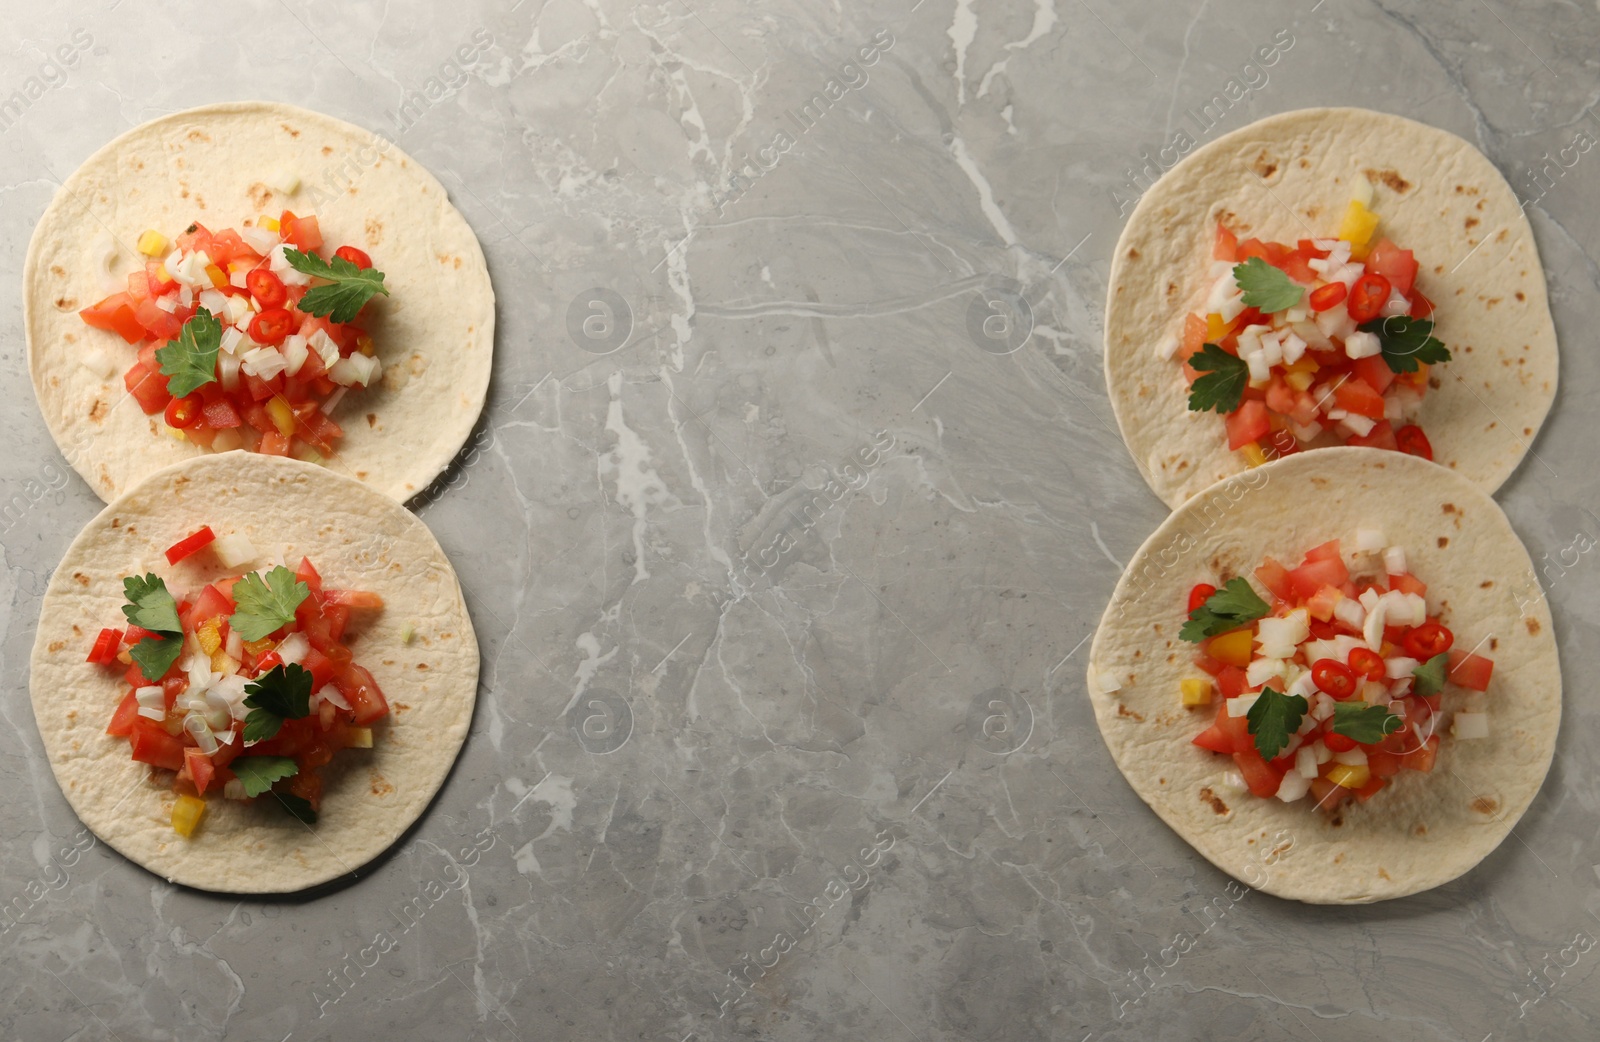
[(1335, 322), (1303, 686), (1374, 692), (1399, 666), (1233, 783), (325, 348), (329, 693), (200, 731), (1362, 345), (1322, 706), (1280, 636), (1397, 304), (1260, 370), (1240, 705), (1361, 192), (293, 648), (1305, 760), (1108, 682), (1312, 335), (218, 711), (1293, 786), (1394, 560), (1470, 725), (1369, 599), (233, 550), (1358, 425), (1369, 540), (362, 370), (263, 362), (260, 240), (1262, 670), (152, 714), (150, 697), (1372, 629), (1167, 346), (284, 270), (1294, 348), (1356, 757), (215, 301), (1350, 612), (235, 644), (294, 353), (238, 309), (98, 362)]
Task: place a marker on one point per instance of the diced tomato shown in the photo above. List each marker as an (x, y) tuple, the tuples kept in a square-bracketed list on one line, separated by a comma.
[(159, 324), (1258, 774), (315, 429), (1247, 423), (1355, 395), (1408, 583), (1321, 604), (1337, 742), (1421, 306), (1297, 266), (1374, 372), (1253, 248), (199, 767), (307, 573), (362, 599), (1328, 551), (1384, 764), (1422, 758), (274, 444), (300, 232), (1279, 395), (221, 415), (1275, 577), (1207, 664), (115, 314), (1470, 671), (1328, 795), (337, 617), (1227, 734), (1231, 681), (151, 744), (1226, 246), (1367, 297), (122, 720), (320, 667), (1380, 437), (1330, 296), (1306, 580), (1411, 440), (148, 387), (1194, 339), (362, 692), (1398, 266), (211, 604), (106, 646), (176, 682), (1372, 788)]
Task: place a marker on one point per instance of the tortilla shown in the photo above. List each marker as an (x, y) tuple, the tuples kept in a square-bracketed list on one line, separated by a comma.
[(434, 333), (1290, 177), (1422, 829), (358, 540)]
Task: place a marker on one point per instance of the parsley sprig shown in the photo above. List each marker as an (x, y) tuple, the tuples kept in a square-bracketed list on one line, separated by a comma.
[(151, 607), (1273, 717), (257, 773), (1366, 724), (348, 289), (1227, 609), (262, 607), (1428, 678), (1222, 386), (1406, 341), (190, 362), (1266, 288), (281, 693)]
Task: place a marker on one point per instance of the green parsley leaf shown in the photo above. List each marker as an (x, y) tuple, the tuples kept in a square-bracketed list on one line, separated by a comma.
[(261, 607), (1266, 288), (297, 806), (190, 362), (1407, 341), (1227, 609), (281, 693), (150, 605), (349, 290), (259, 772), (1364, 723), (1222, 387), (156, 655), (1429, 677), (1273, 718)]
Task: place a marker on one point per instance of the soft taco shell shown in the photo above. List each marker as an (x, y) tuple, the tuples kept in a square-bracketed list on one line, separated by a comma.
[(1422, 829), (434, 333), (358, 540), (1290, 177)]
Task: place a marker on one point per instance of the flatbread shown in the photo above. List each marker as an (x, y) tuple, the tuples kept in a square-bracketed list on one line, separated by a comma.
[(1422, 829), (358, 539), (1290, 177), (434, 333)]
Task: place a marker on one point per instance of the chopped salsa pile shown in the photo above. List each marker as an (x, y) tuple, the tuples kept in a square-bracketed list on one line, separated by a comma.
[(248, 338), (1332, 686), (246, 687), (1327, 342)]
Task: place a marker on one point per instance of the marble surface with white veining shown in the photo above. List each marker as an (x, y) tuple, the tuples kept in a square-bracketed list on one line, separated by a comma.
[(796, 496)]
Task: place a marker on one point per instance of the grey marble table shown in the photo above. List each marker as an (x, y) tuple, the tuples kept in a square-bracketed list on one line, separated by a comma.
[(782, 560)]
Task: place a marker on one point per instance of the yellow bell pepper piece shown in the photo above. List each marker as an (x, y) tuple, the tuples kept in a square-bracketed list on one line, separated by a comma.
[(218, 277), (282, 415), (358, 738), (1253, 454), (1357, 227), (210, 635), (1216, 328), (1299, 381), (1196, 691), (186, 814), (269, 223), (152, 242), (1232, 648), (1350, 775)]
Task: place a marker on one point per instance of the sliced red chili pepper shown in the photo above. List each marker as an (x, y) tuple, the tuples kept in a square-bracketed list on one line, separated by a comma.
[(1367, 664), (1333, 677), (266, 287), (1200, 594), (1368, 296), (183, 412), (1428, 640), (1325, 297), (190, 544), (354, 256), (271, 326), (105, 648), (1411, 440), (1338, 743)]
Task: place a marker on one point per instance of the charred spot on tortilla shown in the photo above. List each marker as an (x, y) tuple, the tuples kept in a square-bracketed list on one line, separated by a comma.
[(1485, 805), (1443, 541), (1532, 624), (1209, 797)]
